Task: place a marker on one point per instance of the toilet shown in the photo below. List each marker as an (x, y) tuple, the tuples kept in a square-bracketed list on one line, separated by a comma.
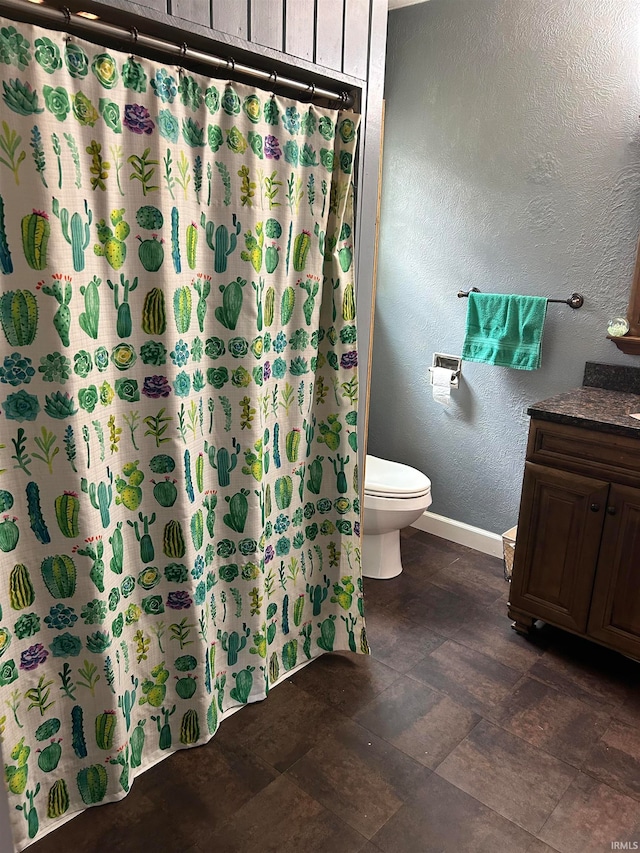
[(395, 496)]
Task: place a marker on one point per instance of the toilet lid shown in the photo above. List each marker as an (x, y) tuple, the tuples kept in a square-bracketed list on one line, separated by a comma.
[(383, 477)]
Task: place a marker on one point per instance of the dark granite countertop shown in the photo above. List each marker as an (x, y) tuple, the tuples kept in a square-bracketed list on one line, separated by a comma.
[(592, 408)]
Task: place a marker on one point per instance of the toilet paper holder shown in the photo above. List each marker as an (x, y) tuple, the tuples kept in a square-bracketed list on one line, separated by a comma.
[(450, 362)]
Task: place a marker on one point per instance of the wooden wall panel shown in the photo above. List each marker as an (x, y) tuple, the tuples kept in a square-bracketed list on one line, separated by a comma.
[(267, 23), (159, 5), (356, 41), (198, 11), (231, 16), (329, 22), (300, 28), (367, 213)]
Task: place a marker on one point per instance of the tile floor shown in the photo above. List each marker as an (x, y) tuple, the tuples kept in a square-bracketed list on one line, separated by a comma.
[(455, 735)]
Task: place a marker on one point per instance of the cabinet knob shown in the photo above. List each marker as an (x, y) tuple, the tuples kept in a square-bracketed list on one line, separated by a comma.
[(595, 507), (611, 510)]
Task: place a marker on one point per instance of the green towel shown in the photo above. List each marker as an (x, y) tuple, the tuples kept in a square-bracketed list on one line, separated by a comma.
[(504, 330)]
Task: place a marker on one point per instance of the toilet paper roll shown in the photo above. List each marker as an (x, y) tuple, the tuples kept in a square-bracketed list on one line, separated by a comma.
[(441, 380)]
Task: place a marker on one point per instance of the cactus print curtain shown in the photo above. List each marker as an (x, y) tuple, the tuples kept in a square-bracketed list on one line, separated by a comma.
[(178, 410)]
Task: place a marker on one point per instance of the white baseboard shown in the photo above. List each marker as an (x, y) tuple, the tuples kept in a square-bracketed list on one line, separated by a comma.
[(461, 533)]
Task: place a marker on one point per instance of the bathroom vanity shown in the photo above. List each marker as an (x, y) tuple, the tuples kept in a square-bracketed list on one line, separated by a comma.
[(577, 556)]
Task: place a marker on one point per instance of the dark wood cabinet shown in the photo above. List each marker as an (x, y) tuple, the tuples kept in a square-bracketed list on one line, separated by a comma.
[(577, 557), (614, 618)]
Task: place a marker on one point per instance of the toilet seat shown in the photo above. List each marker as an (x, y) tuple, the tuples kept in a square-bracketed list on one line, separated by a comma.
[(386, 479), (397, 503)]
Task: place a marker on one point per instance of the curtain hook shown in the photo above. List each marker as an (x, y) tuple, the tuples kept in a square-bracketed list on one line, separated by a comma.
[(66, 12), (231, 62), (134, 35), (312, 89), (183, 54), (273, 75)]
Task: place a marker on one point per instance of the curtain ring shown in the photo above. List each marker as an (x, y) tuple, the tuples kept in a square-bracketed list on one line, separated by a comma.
[(231, 62), (273, 75), (312, 88)]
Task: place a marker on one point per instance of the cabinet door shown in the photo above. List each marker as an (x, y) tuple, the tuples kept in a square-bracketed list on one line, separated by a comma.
[(559, 531), (615, 609)]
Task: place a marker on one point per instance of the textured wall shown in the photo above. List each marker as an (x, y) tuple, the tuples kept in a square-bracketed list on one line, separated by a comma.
[(511, 163)]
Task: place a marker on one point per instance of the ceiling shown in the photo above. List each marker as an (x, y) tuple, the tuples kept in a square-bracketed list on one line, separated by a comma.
[(397, 4)]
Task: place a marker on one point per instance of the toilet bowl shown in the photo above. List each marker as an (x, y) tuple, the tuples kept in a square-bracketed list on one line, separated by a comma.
[(395, 496)]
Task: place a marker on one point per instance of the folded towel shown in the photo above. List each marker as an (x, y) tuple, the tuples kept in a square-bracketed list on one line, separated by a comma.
[(504, 330)]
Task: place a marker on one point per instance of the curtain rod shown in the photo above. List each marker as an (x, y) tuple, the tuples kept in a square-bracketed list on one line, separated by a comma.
[(39, 13)]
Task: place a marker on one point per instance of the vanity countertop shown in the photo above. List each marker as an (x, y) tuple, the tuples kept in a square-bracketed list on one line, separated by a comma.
[(592, 408)]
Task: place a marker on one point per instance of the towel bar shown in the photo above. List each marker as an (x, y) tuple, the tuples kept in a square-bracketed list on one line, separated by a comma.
[(576, 300)]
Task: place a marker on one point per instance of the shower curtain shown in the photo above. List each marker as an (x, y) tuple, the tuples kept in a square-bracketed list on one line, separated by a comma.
[(178, 410)]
